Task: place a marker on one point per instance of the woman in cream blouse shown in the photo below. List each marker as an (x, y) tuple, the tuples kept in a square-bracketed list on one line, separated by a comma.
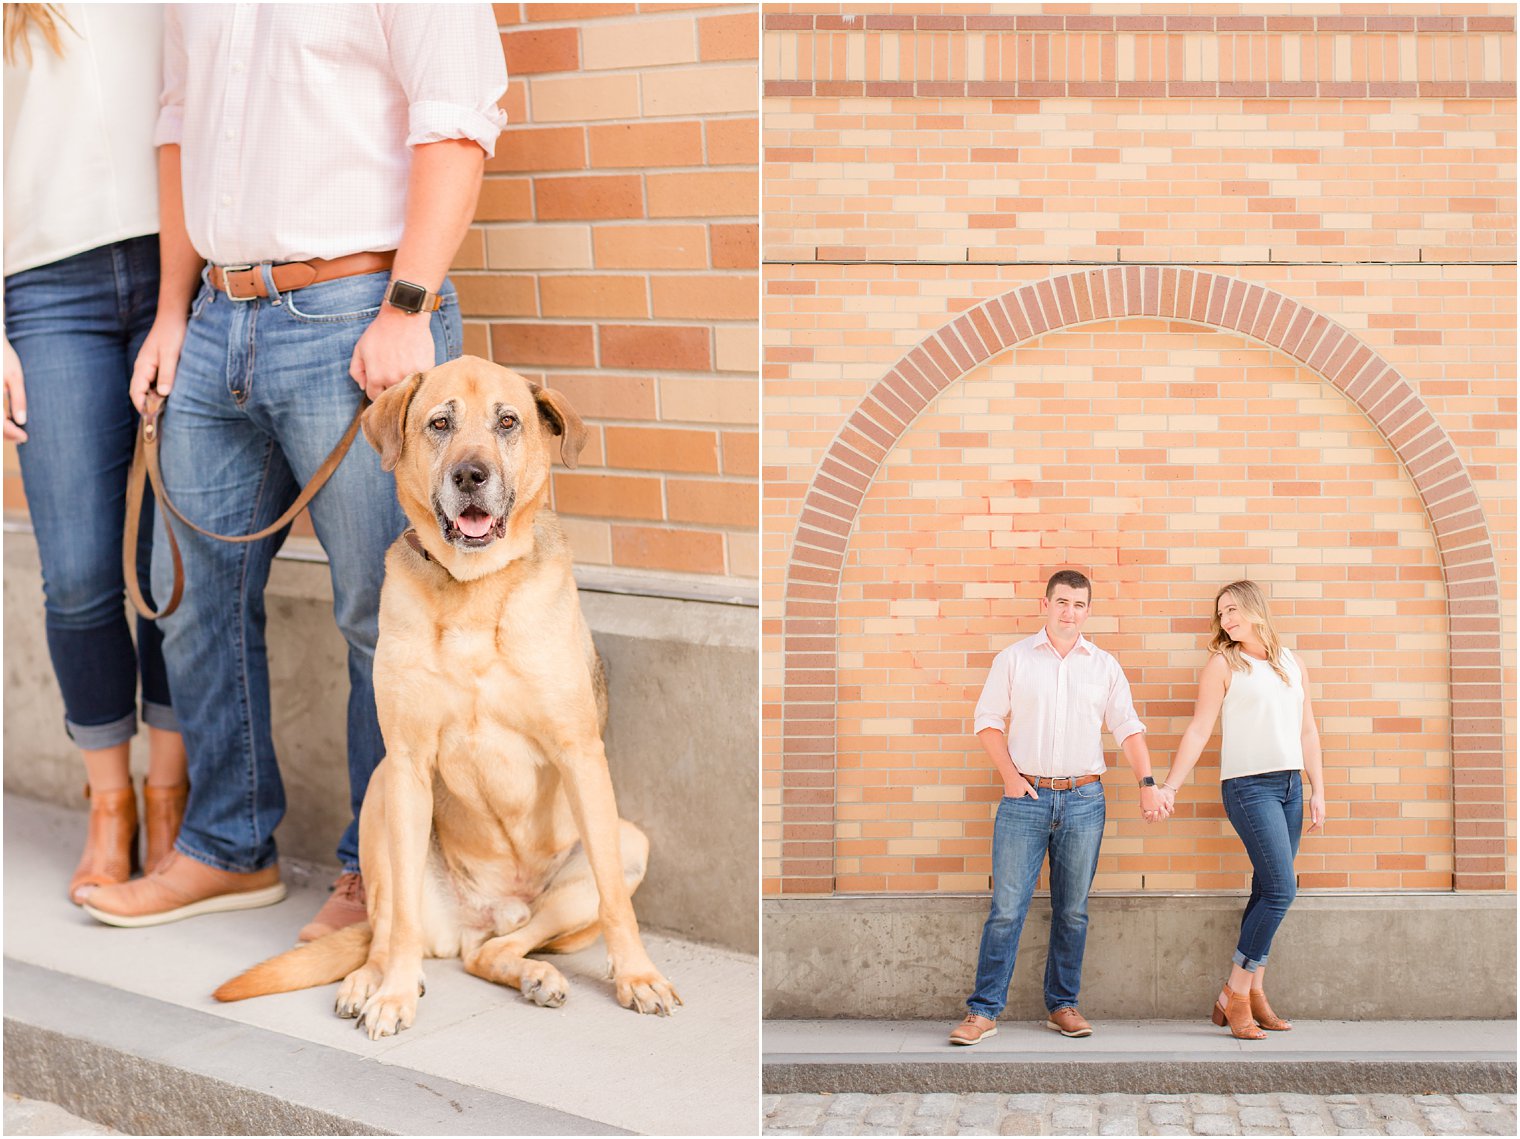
[(81, 287), (1268, 743)]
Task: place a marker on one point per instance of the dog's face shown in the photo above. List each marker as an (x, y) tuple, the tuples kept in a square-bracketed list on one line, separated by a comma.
[(470, 444)]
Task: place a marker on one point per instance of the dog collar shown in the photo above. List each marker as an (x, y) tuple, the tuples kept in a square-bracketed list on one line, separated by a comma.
[(416, 543)]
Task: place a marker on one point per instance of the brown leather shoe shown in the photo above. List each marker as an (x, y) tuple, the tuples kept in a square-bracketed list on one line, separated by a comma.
[(1235, 1010), (344, 906), (110, 845), (973, 1030), (180, 887), (163, 810), (1264, 1016), (1069, 1022)]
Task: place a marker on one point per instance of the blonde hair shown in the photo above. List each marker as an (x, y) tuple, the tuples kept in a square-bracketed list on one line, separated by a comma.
[(1247, 595), (19, 18)]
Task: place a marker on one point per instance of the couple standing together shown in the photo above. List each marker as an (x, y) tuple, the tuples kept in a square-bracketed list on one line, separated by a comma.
[(1040, 719)]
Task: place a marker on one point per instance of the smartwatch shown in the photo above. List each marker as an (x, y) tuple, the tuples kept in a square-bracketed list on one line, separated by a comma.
[(412, 298), (1148, 781)]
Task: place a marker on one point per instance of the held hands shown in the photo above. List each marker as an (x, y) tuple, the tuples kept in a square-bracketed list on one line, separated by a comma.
[(15, 396), (395, 345), (1154, 806)]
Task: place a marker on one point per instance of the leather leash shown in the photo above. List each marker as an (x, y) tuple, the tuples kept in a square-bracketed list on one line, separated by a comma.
[(145, 469)]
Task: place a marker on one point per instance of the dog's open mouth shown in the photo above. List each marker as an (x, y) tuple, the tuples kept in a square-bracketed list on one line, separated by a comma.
[(474, 528)]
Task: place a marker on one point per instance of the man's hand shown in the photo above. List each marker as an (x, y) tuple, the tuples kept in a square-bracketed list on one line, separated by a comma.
[(15, 396), (1168, 798), (395, 345), (158, 358), (1153, 805), (1019, 788)]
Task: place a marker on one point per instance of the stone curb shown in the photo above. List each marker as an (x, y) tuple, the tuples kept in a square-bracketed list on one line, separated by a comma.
[(1142, 1074), (147, 1067)]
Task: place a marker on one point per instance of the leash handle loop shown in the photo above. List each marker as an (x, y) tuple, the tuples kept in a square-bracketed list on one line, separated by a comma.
[(145, 468)]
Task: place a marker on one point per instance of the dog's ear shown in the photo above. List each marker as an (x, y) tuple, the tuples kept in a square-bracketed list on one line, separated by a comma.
[(555, 410), (385, 422)]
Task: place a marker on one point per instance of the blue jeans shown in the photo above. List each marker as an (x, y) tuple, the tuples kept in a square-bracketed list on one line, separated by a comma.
[(1068, 825), (76, 325), (1267, 812), (261, 396)]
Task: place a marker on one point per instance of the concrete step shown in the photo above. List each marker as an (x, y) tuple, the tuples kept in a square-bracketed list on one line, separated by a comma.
[(118, 1026), (1141, 1056)]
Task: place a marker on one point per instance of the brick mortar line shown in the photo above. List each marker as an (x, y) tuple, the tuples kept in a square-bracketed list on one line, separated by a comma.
[(1126, 89), (689, 13), (1200, 265), (772, 23)]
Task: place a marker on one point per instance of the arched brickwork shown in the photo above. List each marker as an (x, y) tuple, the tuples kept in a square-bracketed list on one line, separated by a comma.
[(844, 474)]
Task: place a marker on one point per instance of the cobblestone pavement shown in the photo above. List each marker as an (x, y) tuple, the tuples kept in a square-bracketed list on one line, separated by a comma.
[(1277, 1113)]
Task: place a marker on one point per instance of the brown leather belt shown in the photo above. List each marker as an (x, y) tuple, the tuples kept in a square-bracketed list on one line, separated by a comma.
[(1059, 782), (246, 282)]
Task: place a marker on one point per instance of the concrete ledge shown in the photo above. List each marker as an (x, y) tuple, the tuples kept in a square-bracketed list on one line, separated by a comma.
[(1341, 956), (150, 1068), (119, 1025), (682, 735), (1140, 1057)]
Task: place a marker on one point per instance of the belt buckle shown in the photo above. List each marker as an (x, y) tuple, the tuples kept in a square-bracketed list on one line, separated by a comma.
[(1059, 779), (227, 271)]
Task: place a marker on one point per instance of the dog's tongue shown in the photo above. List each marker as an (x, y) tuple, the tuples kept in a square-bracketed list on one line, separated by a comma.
[(475, 523)]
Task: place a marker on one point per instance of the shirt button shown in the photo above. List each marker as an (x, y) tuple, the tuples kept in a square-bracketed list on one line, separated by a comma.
[(229, 135), (237, 68), (226, 199)]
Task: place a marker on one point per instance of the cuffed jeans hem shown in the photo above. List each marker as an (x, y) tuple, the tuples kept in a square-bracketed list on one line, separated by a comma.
[(990, 1014), (216, 863), (1246, 963), (352, 869), (94, 737), (159, 716), (1065, 1004)]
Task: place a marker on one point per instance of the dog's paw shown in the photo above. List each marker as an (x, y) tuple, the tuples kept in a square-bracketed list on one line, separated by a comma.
[(392, 1007), (357, 988), (543, 984), (647, 992), (384, 1015)]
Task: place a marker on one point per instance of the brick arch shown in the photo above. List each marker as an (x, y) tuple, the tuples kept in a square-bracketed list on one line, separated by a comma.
[(844, 475)]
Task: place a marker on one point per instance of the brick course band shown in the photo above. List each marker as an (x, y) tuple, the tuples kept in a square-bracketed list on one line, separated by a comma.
[(1137, 89), (843, 477), (806, 21)]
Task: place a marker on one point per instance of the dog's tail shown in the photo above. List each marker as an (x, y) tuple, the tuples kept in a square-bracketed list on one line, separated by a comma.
[(320, 962)]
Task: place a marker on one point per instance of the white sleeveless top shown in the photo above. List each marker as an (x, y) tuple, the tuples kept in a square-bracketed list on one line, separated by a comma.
[(1263, 720), (80, 168)]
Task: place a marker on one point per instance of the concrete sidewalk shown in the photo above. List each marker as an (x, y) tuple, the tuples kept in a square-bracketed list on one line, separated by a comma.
[(1141, 1056), (118, 1026)]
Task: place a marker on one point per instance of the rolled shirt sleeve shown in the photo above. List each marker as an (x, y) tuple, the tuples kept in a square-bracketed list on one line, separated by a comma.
[(1119, 713), (448, 59), (996, 702), (170, 128)]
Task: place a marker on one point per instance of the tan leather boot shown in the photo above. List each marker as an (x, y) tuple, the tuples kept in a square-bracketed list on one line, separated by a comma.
[(110, 846), (1232, 1009), (1264, 1014), (164, 808)]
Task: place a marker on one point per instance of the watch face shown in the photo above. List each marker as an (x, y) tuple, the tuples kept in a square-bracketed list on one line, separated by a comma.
[(405, 295)]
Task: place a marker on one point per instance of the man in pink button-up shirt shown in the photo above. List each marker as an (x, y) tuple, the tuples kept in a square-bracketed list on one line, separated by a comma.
[(318, 167), (1040, 719)]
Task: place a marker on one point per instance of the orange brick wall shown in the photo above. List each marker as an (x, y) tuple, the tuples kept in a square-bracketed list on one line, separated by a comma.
[(615, 257), (1166, 456)]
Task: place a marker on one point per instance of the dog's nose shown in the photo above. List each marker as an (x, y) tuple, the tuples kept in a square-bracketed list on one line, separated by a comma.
[(468, 476)]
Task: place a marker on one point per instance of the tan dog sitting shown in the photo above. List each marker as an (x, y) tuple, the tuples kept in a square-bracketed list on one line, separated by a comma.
[(489, 831)]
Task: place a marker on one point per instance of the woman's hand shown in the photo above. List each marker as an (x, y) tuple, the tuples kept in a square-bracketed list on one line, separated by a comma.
[(1168, 798), (15, 396), (158, 359), (1317, 811)]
